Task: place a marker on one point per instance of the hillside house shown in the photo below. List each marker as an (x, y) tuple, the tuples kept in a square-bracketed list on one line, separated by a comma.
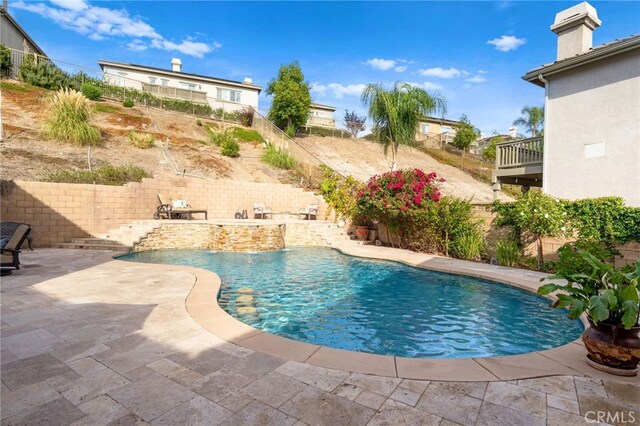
[(173, 83), (14, 36), (591, 142), (321, 115), (436, 131)]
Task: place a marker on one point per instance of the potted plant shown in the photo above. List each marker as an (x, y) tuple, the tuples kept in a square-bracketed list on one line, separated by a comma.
[(609, 297), (362, 227)]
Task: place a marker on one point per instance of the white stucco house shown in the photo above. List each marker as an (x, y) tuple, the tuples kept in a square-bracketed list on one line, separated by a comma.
[(591, 143), (321, 115), (173, 83)]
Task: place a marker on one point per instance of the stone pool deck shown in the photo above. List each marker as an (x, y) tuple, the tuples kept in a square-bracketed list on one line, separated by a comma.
[(90, 340)]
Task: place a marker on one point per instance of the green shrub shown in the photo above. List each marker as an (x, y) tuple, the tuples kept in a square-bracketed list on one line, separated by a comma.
[(67, 119), (198, 122), (104, 175), (141, 140), (105, 108), (42, 74), (326, 131), (290, 131), (128, 103), (468, 246), (278, 158), (508, 252), (91, 92), (569, 258), (230, 148), (220, 137), (5, 60), (247, 135), (246, 117)]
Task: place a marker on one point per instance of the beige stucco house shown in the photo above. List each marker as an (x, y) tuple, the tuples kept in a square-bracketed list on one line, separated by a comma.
[(591, 139), (321, 115), (173, 83), (432, 130)]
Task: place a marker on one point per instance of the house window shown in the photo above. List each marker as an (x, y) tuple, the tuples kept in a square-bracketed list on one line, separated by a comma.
[(152, 80), (228, 95), (187, 86), (445, 129), (424, 128)]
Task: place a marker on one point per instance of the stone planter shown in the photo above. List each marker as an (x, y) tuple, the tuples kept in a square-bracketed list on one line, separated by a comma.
[(613, 347), (362, 232)]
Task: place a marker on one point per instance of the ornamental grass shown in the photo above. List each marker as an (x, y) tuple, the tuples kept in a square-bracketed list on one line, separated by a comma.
[(67, 119)]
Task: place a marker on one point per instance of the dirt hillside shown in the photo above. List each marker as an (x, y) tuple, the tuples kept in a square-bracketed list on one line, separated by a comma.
[(362, 159)]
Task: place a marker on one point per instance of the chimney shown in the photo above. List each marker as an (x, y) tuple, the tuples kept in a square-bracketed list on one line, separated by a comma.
[(574, 27), (4, 5), (176, 65), (247, 80), (513, 132)]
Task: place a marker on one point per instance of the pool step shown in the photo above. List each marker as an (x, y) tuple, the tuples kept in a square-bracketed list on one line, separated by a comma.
[(93, 244)]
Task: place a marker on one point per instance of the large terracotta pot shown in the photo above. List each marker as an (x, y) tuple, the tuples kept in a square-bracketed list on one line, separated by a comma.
[(613, 346), (362, 232)]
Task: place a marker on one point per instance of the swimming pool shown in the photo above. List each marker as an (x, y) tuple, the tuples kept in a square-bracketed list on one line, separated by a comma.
[(320, 296)]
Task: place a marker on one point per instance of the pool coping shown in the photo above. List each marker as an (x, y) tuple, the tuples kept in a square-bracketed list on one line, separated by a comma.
[(201, 304)]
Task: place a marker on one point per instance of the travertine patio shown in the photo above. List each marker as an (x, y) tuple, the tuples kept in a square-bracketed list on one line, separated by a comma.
[(90, 340)]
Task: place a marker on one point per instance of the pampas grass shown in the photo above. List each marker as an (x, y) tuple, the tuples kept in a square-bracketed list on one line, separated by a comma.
[(67, 119)]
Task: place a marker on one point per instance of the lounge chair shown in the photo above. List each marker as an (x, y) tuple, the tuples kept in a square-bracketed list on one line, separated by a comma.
[(311, 210), (166, 210), (261, 212), (9, 253)]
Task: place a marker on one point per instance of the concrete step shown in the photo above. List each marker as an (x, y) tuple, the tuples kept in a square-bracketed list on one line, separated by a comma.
[(106, 247)]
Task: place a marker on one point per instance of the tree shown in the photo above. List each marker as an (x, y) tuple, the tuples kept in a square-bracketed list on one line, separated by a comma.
[(5, 60), (465, 134), (354, 123), (396, 113), (532, 118), (490, 152), (291, 98)]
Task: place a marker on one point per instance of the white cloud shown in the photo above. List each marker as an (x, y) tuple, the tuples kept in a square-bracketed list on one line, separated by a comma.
[(100, 23), (401, 68), (381, 64), (337, 89), (440, 72), (482, 72), (507, 43), (431, 86), (476, 79)]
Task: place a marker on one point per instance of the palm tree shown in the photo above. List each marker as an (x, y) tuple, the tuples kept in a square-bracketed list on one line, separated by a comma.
[(532, 118), (396, 113)]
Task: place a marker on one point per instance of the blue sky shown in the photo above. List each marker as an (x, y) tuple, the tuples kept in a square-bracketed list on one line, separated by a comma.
[(471, 53)]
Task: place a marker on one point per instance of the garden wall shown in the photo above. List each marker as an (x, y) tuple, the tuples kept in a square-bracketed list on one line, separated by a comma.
[(59, 212)]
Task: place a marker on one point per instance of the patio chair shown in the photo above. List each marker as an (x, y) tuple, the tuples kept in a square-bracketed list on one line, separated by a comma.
[(7, 229), (166, 210), (310, 211), (9, 258), (261, 212)]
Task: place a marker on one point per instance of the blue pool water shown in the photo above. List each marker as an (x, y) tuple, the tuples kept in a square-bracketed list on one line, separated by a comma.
[(321, 296)]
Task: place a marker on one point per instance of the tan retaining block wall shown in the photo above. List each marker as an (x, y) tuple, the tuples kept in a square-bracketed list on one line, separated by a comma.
[(214, 237), (302, 234), (59, 212)]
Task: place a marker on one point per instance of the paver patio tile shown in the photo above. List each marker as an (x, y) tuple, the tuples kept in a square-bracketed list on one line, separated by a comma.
[(395, 413), (100, 411), (95, 380), (555, 385), (406, 396), (128, 420), (381, 385), (317, 407), (32, 370), (348, 391), (25, 398), (522, 366), (474, 389), (518, 398), (6, 356), (151, 396), (320, 377), (417, 386), (273, 389), (588, 385), (174, 371), (220, 384), (236, 401), (592, 402), (261, 414), (32, 343), (562, 418), (198, 411), (498, 415), (56, 412), (256, 365), (205, 362), (138, 357), (370, 399), (449, 404), (626, 393), (564, 404), (75, 351), (137, 373)]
